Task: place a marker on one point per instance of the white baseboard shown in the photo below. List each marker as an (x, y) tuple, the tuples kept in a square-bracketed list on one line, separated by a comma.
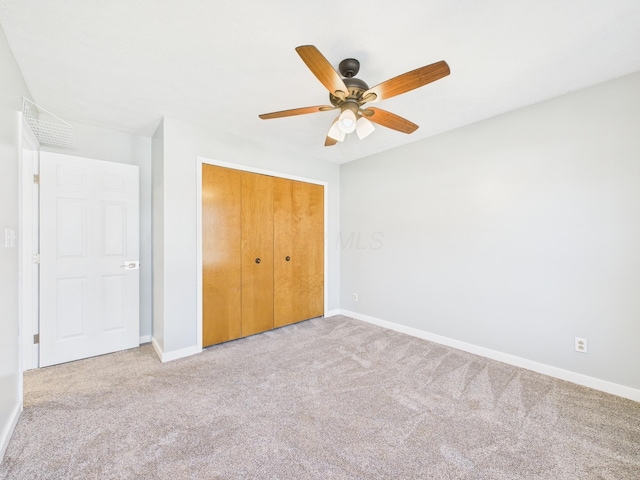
[(156, 347), (169, 356), (333, 313), (144, 339), (578, 378), (7, 432)]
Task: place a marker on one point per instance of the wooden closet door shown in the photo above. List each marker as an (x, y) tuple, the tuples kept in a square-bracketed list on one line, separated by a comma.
[(308, 207), (299, 235), (257, 253), (283, 241), (221, 254)]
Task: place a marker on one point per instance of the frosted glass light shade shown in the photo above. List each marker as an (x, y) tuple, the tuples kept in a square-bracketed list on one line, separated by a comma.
[(347, 121), (364, 127), (335, 132)]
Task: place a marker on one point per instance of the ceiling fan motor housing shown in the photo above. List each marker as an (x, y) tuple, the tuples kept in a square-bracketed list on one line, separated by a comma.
[(356, 88)]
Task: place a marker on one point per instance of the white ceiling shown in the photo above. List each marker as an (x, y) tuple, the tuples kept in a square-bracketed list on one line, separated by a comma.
[(125, 64)]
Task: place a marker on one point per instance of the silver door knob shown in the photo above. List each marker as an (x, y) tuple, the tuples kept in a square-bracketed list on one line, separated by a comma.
[(131, 265)]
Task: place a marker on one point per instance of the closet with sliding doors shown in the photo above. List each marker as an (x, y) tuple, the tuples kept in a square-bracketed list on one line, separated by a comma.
[(262, 253)]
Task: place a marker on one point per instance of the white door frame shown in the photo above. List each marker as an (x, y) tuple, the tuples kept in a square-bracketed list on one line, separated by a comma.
[(244, 168), (28, 234)]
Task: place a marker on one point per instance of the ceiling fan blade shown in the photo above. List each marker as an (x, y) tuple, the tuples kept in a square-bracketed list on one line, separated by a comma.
[(389, 120), (297, 111), (323, 70), (329, 142), (408, 81)]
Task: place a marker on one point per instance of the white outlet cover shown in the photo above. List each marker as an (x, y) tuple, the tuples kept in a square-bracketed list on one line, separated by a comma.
[(581, 345)]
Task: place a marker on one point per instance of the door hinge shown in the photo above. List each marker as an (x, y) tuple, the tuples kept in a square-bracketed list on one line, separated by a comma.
[(36, 339), (36, 258), (36, 179)]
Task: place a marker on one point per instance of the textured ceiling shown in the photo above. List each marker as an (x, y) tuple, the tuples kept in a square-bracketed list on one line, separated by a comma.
[(125, 64)]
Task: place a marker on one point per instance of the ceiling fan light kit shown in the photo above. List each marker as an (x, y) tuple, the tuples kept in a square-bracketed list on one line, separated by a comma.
[(347, 120), (335, 132), (349, 94), (364, 127)]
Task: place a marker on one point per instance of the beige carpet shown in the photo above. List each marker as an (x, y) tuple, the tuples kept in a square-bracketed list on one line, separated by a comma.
[(329, 398)]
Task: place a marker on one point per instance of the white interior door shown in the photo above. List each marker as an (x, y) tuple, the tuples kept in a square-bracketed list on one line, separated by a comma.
[(88, 258)]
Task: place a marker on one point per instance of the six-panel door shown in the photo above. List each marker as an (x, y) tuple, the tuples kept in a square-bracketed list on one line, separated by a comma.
[(89, 276)]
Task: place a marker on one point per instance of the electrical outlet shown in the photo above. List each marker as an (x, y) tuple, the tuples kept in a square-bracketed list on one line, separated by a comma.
[(581, 345), (355, 297)]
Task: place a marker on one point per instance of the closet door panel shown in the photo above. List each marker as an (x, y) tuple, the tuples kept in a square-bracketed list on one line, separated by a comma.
[(298, 235), (221, 254), (257, 253), (283, 242), (308, 221)]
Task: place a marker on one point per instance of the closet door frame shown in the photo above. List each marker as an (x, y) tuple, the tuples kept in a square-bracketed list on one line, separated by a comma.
[(245, 168)]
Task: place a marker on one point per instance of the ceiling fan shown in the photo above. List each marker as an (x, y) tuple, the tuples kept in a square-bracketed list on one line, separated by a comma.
[(350, 94)]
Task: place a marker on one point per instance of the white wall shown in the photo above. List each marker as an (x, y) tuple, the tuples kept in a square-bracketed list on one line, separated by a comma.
[(157, 177), (515, 234), (11, 93), (112, 146), (183, 143)]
